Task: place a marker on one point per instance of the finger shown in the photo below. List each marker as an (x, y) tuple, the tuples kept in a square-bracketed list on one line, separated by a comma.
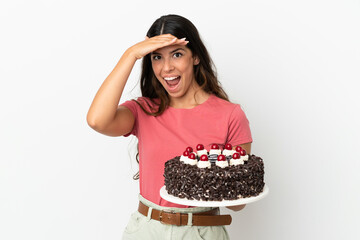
[(181, 41), (161, 41), (174, 41), (164, 40)]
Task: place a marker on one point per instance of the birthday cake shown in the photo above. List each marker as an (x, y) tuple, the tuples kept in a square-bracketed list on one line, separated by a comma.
[(217, 175)]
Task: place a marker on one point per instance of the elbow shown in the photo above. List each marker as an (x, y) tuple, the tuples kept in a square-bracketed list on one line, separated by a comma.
[(93, 123)]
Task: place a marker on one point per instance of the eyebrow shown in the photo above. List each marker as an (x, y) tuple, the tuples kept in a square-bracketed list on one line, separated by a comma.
[(171, 51)]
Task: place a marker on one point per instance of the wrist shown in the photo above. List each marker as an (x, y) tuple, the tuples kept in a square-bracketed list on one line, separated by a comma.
[(131, 54)]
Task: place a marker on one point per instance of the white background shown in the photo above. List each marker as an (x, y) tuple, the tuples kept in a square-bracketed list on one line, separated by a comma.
[(292, 65)]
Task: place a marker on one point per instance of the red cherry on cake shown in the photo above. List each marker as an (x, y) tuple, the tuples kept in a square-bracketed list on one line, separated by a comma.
[(236, 155), (215, 146), (192, 156), (189, 149), (204, 157), (238, 148), (200, 147), (228, 146), (221, 157), (186, 153), (242, 152)]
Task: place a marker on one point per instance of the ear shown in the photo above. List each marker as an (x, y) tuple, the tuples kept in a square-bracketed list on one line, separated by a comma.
[(196, 60)]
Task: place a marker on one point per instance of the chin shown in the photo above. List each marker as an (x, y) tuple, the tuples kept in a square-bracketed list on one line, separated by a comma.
[(173, 95)]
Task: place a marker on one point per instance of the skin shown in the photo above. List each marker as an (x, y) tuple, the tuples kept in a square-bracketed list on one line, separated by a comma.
[(106, 117)]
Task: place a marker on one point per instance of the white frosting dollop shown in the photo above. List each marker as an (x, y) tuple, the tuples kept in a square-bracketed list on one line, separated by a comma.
[(183, 158), (228, 152), (202, 152), (190, 161), (215, 151), (236, 162), (204, 164), (244, 158), (222, 164)]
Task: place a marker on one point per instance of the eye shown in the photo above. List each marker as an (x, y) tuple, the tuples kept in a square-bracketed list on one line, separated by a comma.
[(156, 57), (177, 54)]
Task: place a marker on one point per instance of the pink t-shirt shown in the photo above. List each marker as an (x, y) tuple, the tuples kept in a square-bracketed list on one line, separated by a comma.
[(163, 137)]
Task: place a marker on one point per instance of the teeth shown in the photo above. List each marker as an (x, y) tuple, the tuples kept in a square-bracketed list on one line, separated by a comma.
[(170, 78)]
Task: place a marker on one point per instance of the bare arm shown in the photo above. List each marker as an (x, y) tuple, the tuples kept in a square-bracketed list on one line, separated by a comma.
[(104, 115), (104, 112), (247, 148)]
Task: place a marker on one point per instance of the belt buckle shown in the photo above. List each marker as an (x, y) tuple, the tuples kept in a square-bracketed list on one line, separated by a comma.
[(177, 218), (160, 217)]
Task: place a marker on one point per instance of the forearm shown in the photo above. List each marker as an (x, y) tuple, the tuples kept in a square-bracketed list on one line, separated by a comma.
[(103, 108)]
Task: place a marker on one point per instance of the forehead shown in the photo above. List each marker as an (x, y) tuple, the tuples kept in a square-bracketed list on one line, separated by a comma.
[(170, 49)]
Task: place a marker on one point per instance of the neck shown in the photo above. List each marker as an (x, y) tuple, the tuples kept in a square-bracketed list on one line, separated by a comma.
[(191, 99)]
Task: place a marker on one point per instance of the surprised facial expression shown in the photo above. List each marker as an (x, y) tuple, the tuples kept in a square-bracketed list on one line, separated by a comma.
[(173, 66)]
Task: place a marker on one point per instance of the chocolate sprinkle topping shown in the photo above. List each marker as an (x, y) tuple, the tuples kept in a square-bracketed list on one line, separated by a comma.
[(214, 184)]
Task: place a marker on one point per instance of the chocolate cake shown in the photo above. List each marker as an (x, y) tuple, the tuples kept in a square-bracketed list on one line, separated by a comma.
[(227, 175)]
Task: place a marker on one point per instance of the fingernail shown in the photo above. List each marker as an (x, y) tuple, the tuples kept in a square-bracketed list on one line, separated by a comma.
[(186, 42), (174, 39), (183, 39)]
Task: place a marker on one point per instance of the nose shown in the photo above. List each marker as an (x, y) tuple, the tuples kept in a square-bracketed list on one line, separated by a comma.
[(168, 66)]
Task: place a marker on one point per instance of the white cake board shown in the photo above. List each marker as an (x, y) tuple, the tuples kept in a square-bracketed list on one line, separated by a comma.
[(200, 203)]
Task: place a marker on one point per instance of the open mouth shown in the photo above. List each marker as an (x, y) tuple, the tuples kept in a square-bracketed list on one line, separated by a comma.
[(172, 82)]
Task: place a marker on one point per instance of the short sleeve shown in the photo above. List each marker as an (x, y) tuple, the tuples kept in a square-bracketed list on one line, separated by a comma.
[(239, 128), (133, 107)]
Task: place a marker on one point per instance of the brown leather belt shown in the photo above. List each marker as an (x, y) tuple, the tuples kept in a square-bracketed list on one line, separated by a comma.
[(209, 218)]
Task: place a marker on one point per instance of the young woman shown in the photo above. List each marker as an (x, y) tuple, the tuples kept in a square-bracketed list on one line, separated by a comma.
[(182, 105)]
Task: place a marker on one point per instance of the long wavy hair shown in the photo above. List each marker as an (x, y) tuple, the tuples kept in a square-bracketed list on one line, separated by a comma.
[(204, 72)]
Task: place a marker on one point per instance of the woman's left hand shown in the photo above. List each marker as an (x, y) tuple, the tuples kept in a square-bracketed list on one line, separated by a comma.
[(236, 208)]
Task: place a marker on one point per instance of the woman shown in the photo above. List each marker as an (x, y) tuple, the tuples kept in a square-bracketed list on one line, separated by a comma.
[(182, 104)]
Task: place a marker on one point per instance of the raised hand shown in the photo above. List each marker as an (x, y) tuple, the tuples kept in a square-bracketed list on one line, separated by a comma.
[(149, 45)]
